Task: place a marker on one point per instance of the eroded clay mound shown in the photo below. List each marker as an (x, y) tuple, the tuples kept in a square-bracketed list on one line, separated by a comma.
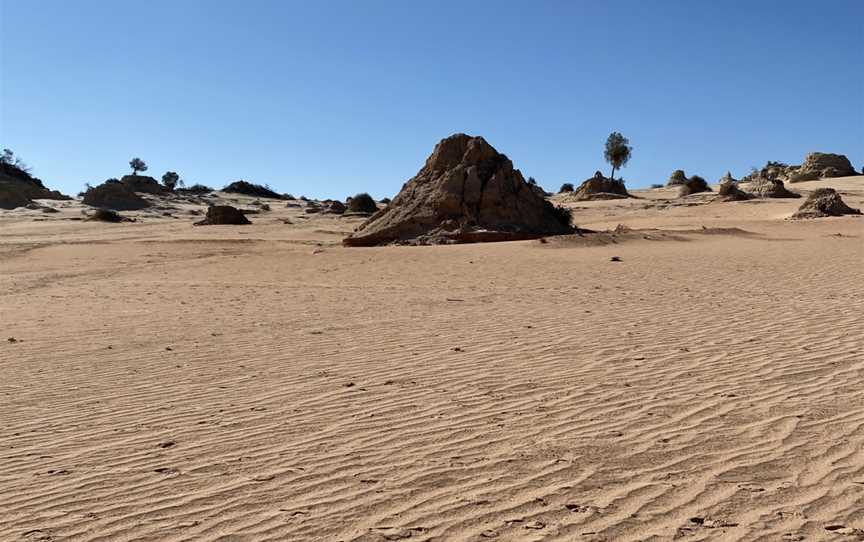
[(823, 165), (763, 187), (466, 192), (824, 202), (114, 195), (729, 190), (223, 215), (599, 187)]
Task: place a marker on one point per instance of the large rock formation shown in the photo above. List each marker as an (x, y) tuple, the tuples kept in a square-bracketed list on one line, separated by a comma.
[(763, 187), (223, 215), (824, 202), (820, 165), (18, 188), (466, 192), (115, 195), (599, 187)]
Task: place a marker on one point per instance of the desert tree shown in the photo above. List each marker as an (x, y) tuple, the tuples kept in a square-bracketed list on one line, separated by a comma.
[(170, 180), (137, 165), (617, 151)]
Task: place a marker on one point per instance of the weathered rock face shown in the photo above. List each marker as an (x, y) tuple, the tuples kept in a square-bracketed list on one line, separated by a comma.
[(762, 187), (223, 215), (819, 165), (466, 192), (694, 185), (599, 187), (729, 190), (115, 195), (824, 202)]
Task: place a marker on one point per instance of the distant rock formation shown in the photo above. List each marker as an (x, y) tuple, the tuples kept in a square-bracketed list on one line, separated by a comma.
[(817, 165), (762, 187), (822, 165), (115, 195), (466, 192), (824, 202), (729, 190), (223, 215), (693, 185), (18, 188), (599, 187)]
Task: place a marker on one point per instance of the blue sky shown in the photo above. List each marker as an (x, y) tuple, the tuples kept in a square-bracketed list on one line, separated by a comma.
[(329, 98)]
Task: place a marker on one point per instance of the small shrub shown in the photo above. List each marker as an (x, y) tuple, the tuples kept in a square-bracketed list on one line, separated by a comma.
[(107, 215), (362, 203)]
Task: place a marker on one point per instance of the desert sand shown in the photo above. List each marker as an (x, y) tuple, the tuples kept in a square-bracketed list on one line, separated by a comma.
[(168, 382)]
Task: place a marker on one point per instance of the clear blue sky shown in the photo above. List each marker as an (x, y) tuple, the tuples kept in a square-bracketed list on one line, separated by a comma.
[(328, 98)]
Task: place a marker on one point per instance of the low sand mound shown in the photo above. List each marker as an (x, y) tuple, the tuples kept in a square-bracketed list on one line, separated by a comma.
[(693, 185), (729, 190), (599, 187), (223, 215), (115, 195), (824, 202), (764, 187), (466, 192)]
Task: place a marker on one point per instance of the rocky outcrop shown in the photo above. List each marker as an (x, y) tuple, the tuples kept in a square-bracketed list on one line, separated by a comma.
[(466, 192), (729, 190), (824, 202), (218, 215), (599, 187), (822, 165), (693, 185), (762, 187), (114, 195)]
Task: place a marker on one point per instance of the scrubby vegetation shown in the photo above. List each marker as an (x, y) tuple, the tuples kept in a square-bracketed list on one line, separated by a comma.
[(196, 189), (250, 189), (362, 203), (617, 152)]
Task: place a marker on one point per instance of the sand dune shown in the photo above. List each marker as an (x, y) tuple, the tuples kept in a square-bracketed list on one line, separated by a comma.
[(226, 383)]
